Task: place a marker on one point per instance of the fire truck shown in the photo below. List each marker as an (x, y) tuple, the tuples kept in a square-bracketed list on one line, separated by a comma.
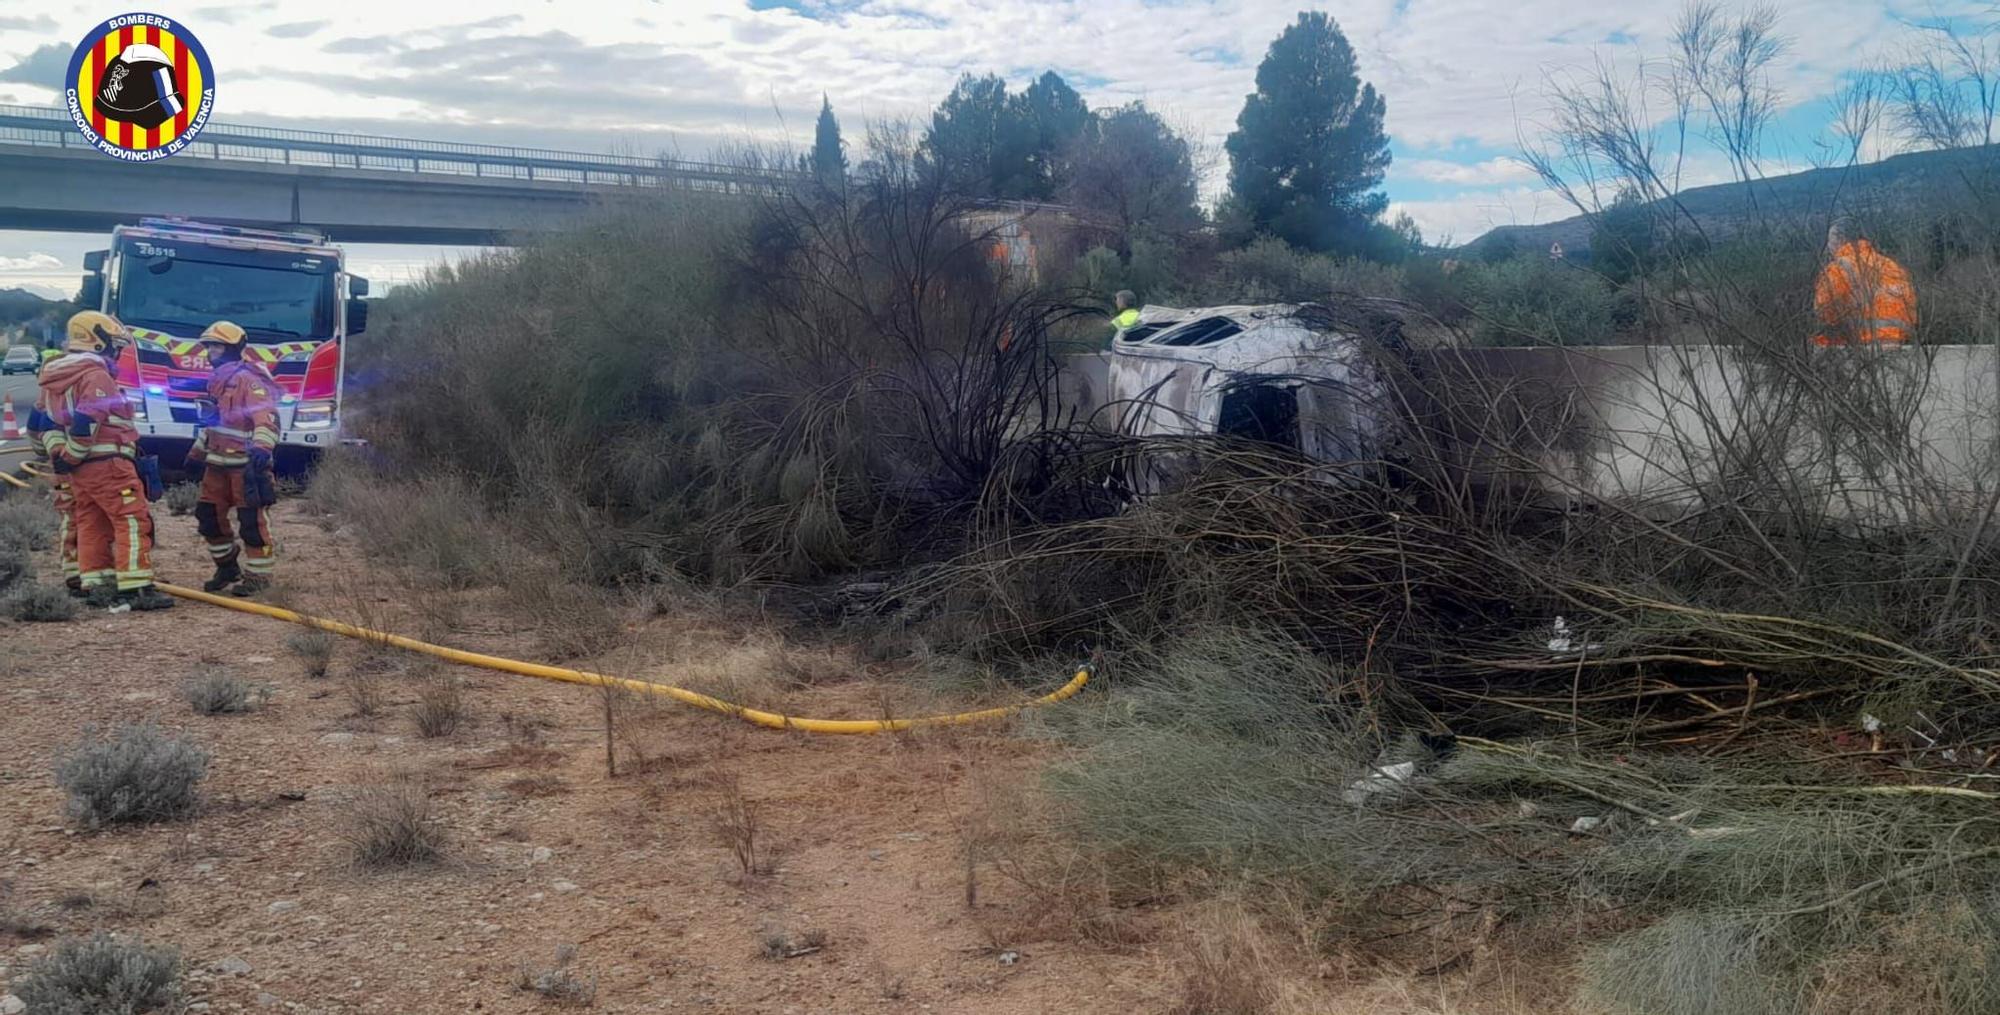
[(167, 279)]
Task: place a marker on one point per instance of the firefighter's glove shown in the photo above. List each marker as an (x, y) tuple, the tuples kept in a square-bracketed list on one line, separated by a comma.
[(258, 489)]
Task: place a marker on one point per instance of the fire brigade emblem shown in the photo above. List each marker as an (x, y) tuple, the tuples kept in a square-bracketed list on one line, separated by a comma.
[(140, 87)]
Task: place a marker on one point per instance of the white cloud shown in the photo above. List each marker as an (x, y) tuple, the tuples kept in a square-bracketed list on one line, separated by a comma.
[(1452, 70), (40, 273), (33, 264), (639, 75), (1491, 172)]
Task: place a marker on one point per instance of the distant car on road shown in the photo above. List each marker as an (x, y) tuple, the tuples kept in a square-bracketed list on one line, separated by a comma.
[(21, 359)]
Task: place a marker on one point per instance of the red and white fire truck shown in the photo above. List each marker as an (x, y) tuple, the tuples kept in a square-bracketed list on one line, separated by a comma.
[(167, 279)]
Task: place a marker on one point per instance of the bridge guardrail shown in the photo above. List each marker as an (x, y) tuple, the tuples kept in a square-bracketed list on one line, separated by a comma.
[(41, 126)]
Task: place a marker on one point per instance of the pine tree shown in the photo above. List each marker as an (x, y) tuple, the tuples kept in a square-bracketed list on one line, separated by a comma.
[(963, 148), (1309, 152), (828, 161), (1038, 136)]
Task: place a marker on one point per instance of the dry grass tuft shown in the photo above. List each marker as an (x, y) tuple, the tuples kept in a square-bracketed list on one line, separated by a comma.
[(314, 648), (778, 943), (393, 825), (216, 691), (441, 707), (1227, 968), (558, 982), (732, 817)]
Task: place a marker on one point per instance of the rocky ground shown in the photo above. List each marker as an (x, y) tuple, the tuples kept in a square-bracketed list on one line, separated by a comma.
[(859, 901)]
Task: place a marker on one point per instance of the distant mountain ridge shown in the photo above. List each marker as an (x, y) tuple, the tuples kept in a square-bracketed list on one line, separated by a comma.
[(1799, 199), (20, 307)]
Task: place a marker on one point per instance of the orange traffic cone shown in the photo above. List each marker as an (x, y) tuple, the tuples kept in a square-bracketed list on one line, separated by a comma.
[(10, 430)]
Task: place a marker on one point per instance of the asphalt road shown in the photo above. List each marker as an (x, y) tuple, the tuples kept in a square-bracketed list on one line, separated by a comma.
[(21, 388)]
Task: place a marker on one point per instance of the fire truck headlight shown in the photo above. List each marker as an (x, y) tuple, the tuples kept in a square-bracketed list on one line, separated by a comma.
[(136, 402), (313, 415)]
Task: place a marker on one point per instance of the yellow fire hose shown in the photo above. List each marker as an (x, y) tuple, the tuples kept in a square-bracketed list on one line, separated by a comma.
[(757, 717), (754, 716), (27, 467)]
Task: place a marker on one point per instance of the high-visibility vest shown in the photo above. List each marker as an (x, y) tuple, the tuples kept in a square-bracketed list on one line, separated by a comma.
[(1125, 319), (1864, 297)]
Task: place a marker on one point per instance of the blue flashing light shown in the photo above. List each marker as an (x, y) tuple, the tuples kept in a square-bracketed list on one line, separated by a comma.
[(154, 389)]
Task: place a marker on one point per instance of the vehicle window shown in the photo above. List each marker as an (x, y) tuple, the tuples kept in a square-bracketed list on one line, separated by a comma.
[(1207, 331), (1141, 332), (189, 293)]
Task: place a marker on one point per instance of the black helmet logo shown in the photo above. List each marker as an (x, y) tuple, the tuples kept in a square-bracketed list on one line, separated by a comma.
[(139, 88)]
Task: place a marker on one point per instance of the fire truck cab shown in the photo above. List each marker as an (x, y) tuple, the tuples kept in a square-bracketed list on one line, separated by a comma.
[(168, 279)]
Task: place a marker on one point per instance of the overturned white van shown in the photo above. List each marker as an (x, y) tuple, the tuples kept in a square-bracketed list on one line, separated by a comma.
[(1275, 373)]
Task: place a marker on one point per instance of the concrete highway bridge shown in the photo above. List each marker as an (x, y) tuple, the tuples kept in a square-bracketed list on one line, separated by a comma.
[(357, 188)]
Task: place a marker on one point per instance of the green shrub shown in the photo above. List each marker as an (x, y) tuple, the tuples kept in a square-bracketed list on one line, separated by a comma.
[(16, 567), (1536, 301), (102, 975), (215, 691), (27, 523), (1271, 270), (48, 604), (181, 498), (139, 773)]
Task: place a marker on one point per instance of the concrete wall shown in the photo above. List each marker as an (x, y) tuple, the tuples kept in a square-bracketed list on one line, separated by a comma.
[(1882, 436), (1897, 436)]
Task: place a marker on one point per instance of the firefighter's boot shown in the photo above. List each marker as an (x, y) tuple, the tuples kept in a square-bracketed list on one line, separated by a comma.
[(75, 586), (100, 597), (226, 574), (146, 598), (251, 585)]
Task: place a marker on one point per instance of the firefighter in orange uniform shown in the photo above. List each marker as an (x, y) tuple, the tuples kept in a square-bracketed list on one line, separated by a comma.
[(1863, 296), (41, 433), (93, 442), (233, 453)]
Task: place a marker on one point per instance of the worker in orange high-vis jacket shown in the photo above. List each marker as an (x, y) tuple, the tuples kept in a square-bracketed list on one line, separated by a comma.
[(96, 445), (233, 453), (42, 432), (1863, 297)]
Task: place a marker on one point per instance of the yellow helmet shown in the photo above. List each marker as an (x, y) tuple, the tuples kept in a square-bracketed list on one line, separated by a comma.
[(223, 333), (94, 331)]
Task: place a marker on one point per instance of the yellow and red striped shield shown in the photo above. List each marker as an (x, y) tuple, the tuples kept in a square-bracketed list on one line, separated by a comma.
[(140, 87)]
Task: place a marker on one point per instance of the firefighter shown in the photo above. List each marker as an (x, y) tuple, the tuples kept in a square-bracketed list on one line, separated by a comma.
[(1126, 314), (93, 442), (233, 454), (1863, 296), (41, 433)]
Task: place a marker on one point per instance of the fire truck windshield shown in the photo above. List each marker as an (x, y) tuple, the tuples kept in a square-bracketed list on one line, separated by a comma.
[(188, 294)]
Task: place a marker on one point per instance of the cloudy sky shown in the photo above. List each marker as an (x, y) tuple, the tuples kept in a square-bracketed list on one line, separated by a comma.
[(1464, 79)]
